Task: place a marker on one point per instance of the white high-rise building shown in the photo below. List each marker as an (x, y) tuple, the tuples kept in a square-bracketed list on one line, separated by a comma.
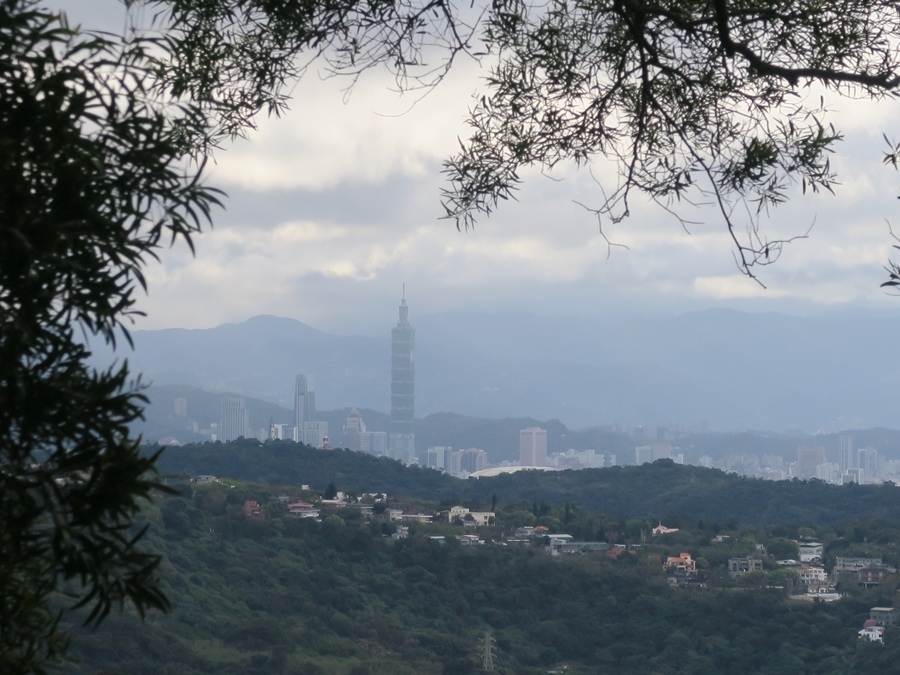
[(234, 419)]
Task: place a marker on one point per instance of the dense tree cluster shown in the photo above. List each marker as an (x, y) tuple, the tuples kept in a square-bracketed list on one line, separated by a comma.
[(91, 185)]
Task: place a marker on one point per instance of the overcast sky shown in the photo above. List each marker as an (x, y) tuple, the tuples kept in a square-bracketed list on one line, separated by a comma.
[(333, 207)]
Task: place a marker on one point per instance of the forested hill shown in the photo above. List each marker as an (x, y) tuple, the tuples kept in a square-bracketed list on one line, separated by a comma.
[(662, 490)]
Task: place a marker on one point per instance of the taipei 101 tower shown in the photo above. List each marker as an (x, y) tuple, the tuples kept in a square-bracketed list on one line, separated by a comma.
[(403, 387)]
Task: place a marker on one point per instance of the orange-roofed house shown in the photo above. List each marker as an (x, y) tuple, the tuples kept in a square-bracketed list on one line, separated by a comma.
[(683, 562)]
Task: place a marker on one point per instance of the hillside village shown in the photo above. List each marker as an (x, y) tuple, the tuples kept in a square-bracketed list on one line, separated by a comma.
[(797, 567)]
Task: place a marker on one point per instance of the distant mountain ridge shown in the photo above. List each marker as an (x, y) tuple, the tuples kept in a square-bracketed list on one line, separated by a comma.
[(736, 370)]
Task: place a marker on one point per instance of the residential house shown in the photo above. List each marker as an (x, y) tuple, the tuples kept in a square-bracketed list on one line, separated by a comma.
[(812, 575), (869, 577), (681, 563), (810, 551), (662, 529), (884, 616), (470, 518), (872, 632), (302, 510), (738, 567)]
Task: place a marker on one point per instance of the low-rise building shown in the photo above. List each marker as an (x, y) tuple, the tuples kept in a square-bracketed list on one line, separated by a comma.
[(884, 616), (845, 564), (873, 633), (812, 575), (681, 563), (564, 545), (302, 510), (869, 577), (662, 529), (810, 550), (738, 567)]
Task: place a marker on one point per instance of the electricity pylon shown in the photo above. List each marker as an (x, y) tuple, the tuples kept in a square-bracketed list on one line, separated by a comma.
[(488, 645)]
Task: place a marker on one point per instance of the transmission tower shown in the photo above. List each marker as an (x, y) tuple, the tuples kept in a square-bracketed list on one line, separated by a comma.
[(488, 645)]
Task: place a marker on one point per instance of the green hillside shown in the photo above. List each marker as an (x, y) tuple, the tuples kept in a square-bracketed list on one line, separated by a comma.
[(274, 594), (655, 491)]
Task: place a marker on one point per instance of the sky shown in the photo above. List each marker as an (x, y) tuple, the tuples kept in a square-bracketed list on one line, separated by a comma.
[(332, 208)]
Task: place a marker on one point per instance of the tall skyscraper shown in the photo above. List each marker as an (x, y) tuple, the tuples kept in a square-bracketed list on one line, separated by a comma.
[(307, 429), (234, 420), (304, 403), (848, 456), (533, 447), (403, 387)]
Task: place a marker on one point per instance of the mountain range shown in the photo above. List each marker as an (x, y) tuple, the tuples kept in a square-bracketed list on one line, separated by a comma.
[(735, 370)]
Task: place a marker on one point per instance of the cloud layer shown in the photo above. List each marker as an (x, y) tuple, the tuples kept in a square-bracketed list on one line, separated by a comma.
[(334, 206)]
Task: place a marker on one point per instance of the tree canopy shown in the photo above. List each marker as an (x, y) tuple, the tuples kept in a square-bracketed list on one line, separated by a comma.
[(706, 101), (91, 185)]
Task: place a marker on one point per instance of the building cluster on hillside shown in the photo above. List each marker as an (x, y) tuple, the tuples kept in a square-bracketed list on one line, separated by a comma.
[(805, 579)]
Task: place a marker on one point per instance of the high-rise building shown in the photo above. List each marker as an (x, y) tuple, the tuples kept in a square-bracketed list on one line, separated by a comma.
[(307, 429), (807, 461), (373, 442), (234, 420), (304, 403), (315, 433), (472, 460), (533, 447), (847, 455), (403, 387), (868, 462), (353, 427), (281, 432), (643, 454), (436, 457)]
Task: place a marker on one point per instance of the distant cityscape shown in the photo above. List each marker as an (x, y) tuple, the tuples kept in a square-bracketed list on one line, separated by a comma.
[(852, 465)]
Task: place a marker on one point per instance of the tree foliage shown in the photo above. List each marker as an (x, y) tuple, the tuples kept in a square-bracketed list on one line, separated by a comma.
[(90, 187), (704, 101)]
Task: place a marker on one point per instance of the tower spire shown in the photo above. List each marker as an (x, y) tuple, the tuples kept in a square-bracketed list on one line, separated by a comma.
[(404, 310)]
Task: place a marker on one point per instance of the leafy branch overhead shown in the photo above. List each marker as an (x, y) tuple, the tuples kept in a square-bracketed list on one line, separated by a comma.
[(92, 184), (695, 101)]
